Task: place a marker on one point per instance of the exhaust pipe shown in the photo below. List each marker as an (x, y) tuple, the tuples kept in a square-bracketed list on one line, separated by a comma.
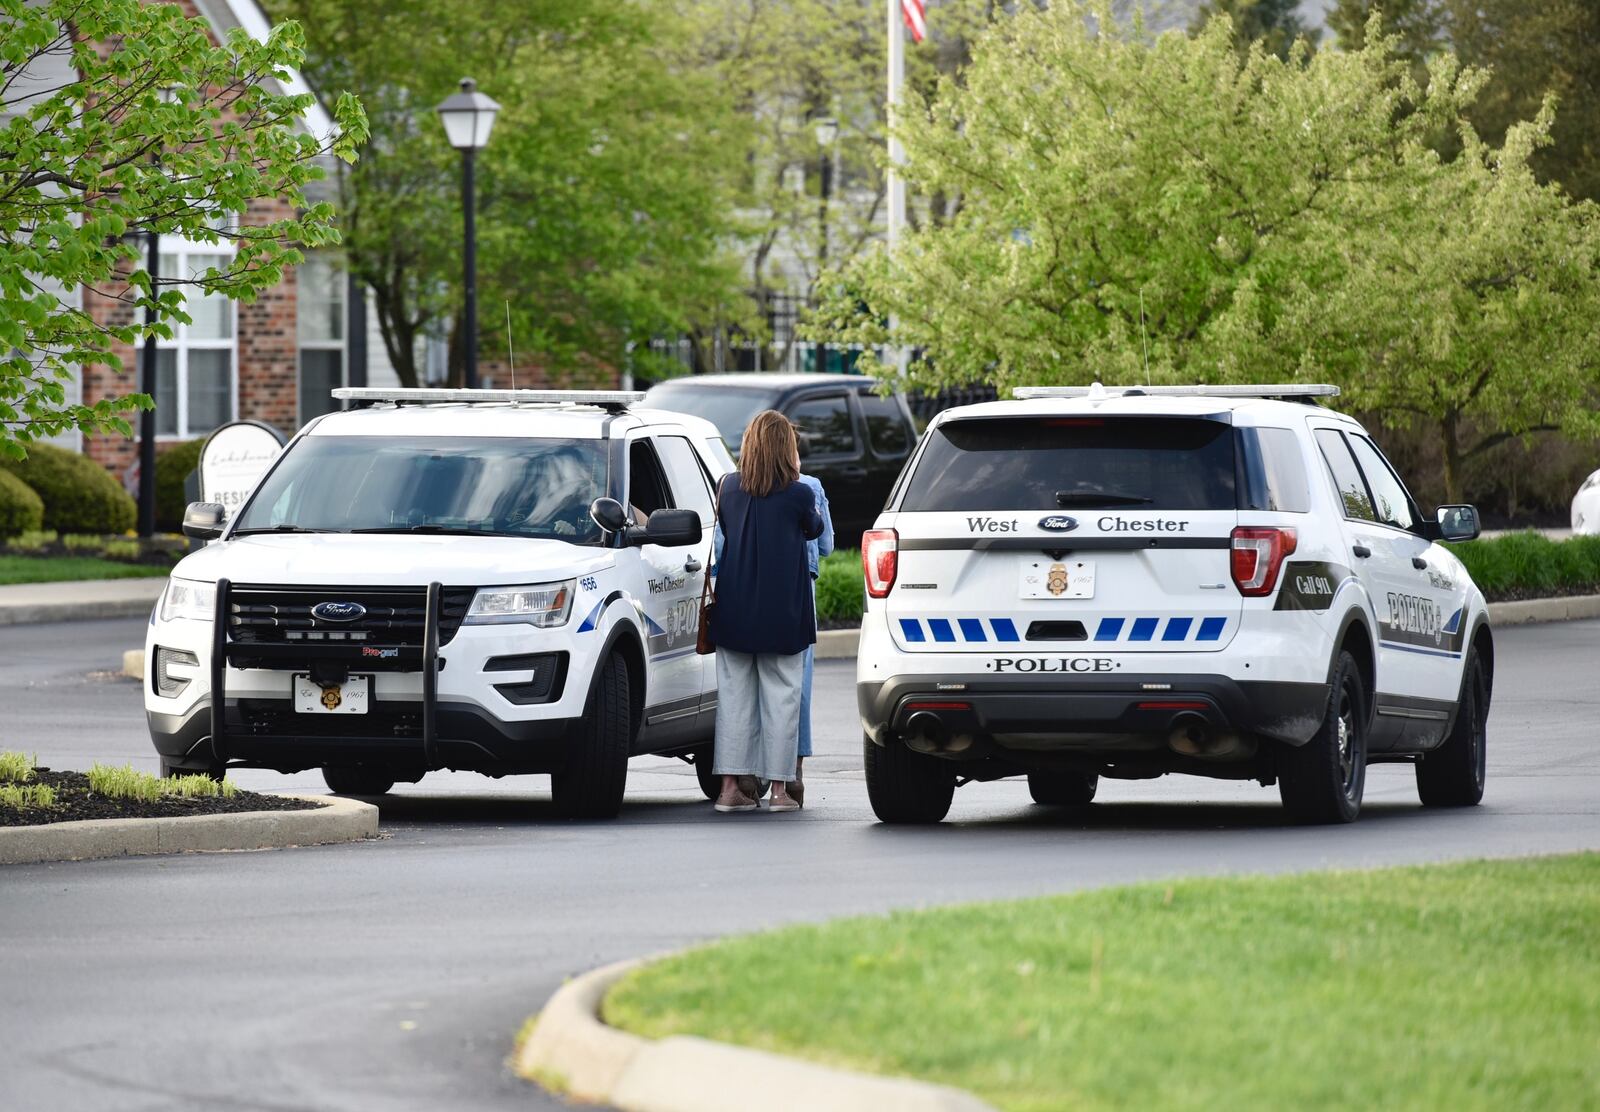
[(1193, 736), (928, 728)]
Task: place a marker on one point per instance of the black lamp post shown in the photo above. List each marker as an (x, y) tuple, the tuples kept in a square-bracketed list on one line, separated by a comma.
[(147, 385), (827, 129), (468, 117)]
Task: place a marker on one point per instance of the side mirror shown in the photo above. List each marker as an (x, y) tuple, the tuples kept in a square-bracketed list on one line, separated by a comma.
[(1458, 523), (203, 521), (672, 528), (608, 514)]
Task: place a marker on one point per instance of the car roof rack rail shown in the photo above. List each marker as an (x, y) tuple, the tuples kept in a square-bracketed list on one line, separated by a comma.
[(1300, 391), (612, 401)]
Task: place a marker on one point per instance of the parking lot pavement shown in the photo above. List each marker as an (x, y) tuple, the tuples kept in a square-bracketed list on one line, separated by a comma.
[(393, 975)]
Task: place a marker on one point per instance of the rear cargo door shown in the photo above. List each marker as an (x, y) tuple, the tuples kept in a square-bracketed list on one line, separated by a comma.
[(1043, 534)]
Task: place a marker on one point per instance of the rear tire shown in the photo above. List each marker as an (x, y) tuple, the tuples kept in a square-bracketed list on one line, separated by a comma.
[(1322, 781), (168, 771), (906, 786), (1453, 774), (1062, 789), (592, 785), (358, 781)]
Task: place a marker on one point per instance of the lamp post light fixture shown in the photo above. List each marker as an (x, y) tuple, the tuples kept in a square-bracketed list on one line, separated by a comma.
[(468, 117), (827, 130)]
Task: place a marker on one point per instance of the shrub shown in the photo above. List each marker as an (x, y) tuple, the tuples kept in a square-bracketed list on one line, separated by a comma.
[(173, 466), (839, 587), (79, 497), (34, 540), (21, 510), (82, 542), (128, 550), (34, 795), (126, 782)]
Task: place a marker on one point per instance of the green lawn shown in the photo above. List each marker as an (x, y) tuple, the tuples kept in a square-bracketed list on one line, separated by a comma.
[(56, 569), (1458, 986)]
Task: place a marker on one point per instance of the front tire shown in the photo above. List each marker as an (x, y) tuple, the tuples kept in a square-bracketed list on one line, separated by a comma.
[(357, 781), (710, 783), (905, 786), (594, 780), (1322, 781), (1062, 789), (1453, 774)]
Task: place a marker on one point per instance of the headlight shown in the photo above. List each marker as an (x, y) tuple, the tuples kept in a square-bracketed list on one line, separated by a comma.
[(187, 599), (540, 604)]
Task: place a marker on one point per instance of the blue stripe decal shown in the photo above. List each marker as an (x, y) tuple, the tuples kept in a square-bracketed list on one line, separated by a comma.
[(1177, 629), (1143, 629), (1415, 649), (972, 629), (1454, 623), (675, 654), (1110, 629), (941, 629), (593, 619), (1211, 629), (911, 629), (1004, 630)]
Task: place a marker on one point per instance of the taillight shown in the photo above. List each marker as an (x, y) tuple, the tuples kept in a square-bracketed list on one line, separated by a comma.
[(880, 555), (1258, 554)]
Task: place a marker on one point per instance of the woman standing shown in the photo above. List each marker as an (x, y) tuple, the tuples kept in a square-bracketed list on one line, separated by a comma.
[(764, 619)]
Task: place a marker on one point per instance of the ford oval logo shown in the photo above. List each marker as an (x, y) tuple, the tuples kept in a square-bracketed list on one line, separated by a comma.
[(338, 611), (1058, 523)]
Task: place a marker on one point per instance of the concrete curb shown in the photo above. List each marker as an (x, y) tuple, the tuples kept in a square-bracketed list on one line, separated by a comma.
[(570, 1050), (86, 600), (1575, 608), (838, 644), (338, 820)]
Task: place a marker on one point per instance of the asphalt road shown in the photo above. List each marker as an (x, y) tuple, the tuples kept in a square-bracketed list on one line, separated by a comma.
[(393, 975)]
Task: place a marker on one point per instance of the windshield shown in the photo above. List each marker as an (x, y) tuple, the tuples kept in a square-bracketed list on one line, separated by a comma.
[(730, 409), (1048, 463), (433, 484)]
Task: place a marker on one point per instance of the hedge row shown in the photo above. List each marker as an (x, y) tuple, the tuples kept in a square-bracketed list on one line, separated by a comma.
[(69, 493), (1513, 566)]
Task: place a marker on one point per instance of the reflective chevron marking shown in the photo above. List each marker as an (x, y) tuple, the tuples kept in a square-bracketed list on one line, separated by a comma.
[(1178, 629)]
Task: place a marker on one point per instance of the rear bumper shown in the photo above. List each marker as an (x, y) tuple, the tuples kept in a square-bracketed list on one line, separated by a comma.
[(1092, 711)]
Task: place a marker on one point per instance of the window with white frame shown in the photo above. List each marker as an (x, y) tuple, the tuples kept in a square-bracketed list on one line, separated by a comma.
[(196, 370), (319, 316)]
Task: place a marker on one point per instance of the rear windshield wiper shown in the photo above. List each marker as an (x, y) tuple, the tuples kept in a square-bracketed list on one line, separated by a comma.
[(437, 530), (279, 529), (1098, 498)]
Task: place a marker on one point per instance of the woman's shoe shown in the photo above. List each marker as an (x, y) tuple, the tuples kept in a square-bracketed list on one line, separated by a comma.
[(730, 802), (781, 800), (797, 786)]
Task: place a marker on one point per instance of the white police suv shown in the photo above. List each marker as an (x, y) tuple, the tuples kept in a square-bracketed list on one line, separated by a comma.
[(501, 581), (1127, 582)]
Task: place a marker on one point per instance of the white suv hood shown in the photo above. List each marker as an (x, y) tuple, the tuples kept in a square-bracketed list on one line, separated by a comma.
[(383, 560)]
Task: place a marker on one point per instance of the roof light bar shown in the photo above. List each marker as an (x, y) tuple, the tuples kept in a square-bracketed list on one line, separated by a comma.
[(1234, 390), (401, 395)]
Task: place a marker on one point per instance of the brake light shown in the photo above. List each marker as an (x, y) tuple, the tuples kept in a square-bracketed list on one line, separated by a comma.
[(880, 557), (1258, 554)]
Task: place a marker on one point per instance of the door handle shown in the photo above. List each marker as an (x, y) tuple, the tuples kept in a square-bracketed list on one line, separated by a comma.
[(1361, 550), (691, 565), (1419, 563)]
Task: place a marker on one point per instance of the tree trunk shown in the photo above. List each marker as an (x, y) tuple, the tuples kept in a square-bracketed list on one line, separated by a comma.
[(1450, 435)]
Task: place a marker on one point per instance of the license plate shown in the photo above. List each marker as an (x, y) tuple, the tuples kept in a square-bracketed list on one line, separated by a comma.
[(349, 697), (1057, 579)]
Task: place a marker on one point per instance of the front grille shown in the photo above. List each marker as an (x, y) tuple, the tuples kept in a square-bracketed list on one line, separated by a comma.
[(394, 615)]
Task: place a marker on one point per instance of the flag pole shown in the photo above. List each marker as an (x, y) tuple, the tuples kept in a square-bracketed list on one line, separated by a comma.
[(897, 155)]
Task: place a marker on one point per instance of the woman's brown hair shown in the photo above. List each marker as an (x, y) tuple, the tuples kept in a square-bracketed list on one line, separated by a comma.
[(767, 457)]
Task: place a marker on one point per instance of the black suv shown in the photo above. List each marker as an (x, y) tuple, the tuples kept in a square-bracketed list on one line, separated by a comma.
[(851, 438)]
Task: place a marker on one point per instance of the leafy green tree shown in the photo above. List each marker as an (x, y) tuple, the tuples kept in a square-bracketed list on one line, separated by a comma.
[(1275, 24), (604, 208), (1164, 209), (81, 184)]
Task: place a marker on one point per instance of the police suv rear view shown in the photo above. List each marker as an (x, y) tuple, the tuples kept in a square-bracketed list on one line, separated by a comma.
[(1227, 582)]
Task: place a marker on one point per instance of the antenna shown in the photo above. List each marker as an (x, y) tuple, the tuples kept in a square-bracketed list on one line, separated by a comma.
[(1144, 333), (511, 358)]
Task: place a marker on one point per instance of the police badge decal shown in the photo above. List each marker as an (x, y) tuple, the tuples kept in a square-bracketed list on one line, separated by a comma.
[(1056, 579), (331, 698)]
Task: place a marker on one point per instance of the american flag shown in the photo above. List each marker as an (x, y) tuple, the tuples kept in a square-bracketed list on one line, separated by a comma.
[(916, 20)]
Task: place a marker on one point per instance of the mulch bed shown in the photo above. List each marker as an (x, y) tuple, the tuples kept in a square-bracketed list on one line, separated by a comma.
[(74, 801)]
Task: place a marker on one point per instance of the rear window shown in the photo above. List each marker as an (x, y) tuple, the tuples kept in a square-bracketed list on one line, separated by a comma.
[(1272, 475), (1048, 463)]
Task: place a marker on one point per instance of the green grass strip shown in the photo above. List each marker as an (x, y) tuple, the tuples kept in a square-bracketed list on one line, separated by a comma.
[(58, 569), (21, 796), (126, 782), (1468, 986)]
